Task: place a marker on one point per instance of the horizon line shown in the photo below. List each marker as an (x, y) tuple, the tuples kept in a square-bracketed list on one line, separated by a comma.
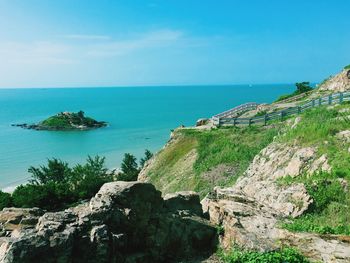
[(149, 86)]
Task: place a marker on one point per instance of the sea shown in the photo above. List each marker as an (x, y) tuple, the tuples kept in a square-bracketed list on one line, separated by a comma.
[(139, 118)]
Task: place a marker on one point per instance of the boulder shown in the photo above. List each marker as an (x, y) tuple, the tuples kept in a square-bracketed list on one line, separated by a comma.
[(184, 201), (124, 222), (338, 83), (202, 122)]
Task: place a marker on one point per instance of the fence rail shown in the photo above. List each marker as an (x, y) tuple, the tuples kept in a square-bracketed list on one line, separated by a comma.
[(335, 98), (236, 110)]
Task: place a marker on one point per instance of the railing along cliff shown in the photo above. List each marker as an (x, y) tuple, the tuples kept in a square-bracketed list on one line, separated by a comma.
[(336, 98)]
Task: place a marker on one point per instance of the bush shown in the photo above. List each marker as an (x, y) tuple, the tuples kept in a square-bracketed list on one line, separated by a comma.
[(347, 67), (57, 186), (87, 179), (5, 200), (302, 87), (55, 171), (129, 168), (328, 214), (148, 156), (50, 196), (285, 255)]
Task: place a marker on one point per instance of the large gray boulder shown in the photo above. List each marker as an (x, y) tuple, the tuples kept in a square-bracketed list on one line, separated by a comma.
[(124, 222)]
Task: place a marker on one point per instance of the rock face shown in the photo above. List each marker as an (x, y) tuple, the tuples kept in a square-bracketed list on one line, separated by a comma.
[(202, 122), (249, 211), (124, 222), (338, 83)]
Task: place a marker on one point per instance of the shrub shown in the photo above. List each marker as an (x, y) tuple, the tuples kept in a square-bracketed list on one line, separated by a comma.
[(148, 155), (50, 196), (302, 87), (129, 168), (5, 200), (347, 67), (285, 255), (55, 171), (328, 214), (57, 186)]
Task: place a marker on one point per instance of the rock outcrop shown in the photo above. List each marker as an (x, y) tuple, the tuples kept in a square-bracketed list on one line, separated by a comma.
[(338, 83), (124, 222), (249, 212)]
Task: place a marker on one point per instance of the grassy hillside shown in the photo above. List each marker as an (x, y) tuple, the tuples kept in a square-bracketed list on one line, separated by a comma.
[(320, 128), (202, 159), (199, 160)]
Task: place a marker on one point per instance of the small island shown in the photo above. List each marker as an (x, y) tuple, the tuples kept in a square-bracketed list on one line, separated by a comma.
[(65, 121)]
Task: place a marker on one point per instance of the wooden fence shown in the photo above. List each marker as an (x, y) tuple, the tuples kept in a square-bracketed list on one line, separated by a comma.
[(237, 110), (335, 98)]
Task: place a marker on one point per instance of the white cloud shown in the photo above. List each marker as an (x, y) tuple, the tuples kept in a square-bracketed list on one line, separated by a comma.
[(153, 39), (35, 53), (87, 37)]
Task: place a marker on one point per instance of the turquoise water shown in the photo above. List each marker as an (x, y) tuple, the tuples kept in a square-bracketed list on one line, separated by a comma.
[(138, 117)]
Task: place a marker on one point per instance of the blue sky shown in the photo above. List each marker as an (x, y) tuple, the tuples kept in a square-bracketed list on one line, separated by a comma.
[(65, 43)]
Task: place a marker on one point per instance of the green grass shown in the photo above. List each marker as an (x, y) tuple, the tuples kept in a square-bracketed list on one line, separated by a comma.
[(187, 163), (285, 255), (318, 128), (328, 214), (233, 146), (56, 121), (284, 97)]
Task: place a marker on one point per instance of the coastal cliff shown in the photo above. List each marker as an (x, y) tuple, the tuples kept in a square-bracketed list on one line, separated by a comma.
[(294, 191), (264, 189)]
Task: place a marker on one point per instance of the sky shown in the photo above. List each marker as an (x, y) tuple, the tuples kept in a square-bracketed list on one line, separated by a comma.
[(86, 43)]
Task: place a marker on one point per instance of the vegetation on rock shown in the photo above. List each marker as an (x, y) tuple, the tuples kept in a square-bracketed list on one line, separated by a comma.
[(302, 87), (287, 255), (191, 157), (148, 156), (57, 185), (5, 200), (66, 121), (129, 168)]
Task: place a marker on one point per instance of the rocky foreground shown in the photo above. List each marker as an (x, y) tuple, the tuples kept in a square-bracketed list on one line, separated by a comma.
[(250, 211), (124, 222)]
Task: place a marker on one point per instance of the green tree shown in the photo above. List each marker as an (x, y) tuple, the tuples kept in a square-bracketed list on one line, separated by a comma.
[(81, 114), (87, 179), (129, 168), (5, 200), (55, 171), (302, 87), (57, 186), (148, 155), (49, 196)]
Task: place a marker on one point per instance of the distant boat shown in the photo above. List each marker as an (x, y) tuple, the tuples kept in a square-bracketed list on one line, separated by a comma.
[(250, 85)]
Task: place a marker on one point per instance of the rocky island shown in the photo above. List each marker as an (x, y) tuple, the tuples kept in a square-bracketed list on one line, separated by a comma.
[(65, 121)]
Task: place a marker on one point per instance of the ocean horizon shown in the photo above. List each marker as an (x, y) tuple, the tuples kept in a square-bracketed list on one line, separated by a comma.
[(139, 118)]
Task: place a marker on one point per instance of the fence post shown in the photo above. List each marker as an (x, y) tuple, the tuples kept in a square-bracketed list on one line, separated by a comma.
[(265, 119), (282, 114), (299, 109), (313, 103), (234, 122), (341, 97), (250, 121), (329, 99), (319, 101)]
